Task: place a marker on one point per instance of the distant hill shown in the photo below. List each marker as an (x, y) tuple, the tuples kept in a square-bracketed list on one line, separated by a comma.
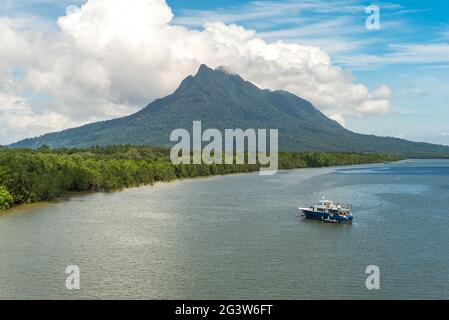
[(222, 100)]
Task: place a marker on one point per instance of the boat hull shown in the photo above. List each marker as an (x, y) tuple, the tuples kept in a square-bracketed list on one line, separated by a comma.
[(326, 217)]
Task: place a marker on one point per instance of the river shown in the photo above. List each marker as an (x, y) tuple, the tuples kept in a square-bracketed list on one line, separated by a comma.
[(238, 237)]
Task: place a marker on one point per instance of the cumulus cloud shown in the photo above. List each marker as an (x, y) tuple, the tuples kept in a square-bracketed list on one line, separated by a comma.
[(111, 57), (378, 102), (19, 120)]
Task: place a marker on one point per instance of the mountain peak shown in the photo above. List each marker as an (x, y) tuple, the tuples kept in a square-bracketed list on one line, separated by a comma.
[(219, 76), (203, 69)]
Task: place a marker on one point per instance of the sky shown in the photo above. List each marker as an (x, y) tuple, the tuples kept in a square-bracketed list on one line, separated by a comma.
[(65, 63)]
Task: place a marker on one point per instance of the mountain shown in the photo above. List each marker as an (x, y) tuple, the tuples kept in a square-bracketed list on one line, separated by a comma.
[(226, 101)]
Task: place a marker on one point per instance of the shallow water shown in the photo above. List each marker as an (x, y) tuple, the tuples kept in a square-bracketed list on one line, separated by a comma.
[(239, 237)]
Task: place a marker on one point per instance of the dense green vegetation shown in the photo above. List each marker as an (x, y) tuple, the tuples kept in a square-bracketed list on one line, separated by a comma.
[(6, 199), (224, 101), (28, 175)]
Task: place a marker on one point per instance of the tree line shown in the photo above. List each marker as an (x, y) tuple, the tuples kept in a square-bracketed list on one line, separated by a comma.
[(28, 175)]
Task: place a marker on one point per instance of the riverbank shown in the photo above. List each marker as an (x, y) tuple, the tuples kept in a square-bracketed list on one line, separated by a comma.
[(70, 195), (44, 174)]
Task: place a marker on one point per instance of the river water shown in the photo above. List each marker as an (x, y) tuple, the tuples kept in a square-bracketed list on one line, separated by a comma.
[(238, 237)]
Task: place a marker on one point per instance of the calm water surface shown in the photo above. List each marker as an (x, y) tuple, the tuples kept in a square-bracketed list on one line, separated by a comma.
[(238, 237)]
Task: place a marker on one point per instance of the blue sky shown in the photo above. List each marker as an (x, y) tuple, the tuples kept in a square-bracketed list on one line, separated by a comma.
[(409, 54)]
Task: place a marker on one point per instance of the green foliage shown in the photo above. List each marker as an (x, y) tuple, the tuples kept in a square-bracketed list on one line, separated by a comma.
[(33, 175), (6, 199)]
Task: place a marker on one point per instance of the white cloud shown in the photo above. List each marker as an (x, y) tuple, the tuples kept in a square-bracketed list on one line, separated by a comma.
[(378, 102), (285, 11), (401, 54), (18, 119), (374, 107), (110, 57), (339, 118)]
